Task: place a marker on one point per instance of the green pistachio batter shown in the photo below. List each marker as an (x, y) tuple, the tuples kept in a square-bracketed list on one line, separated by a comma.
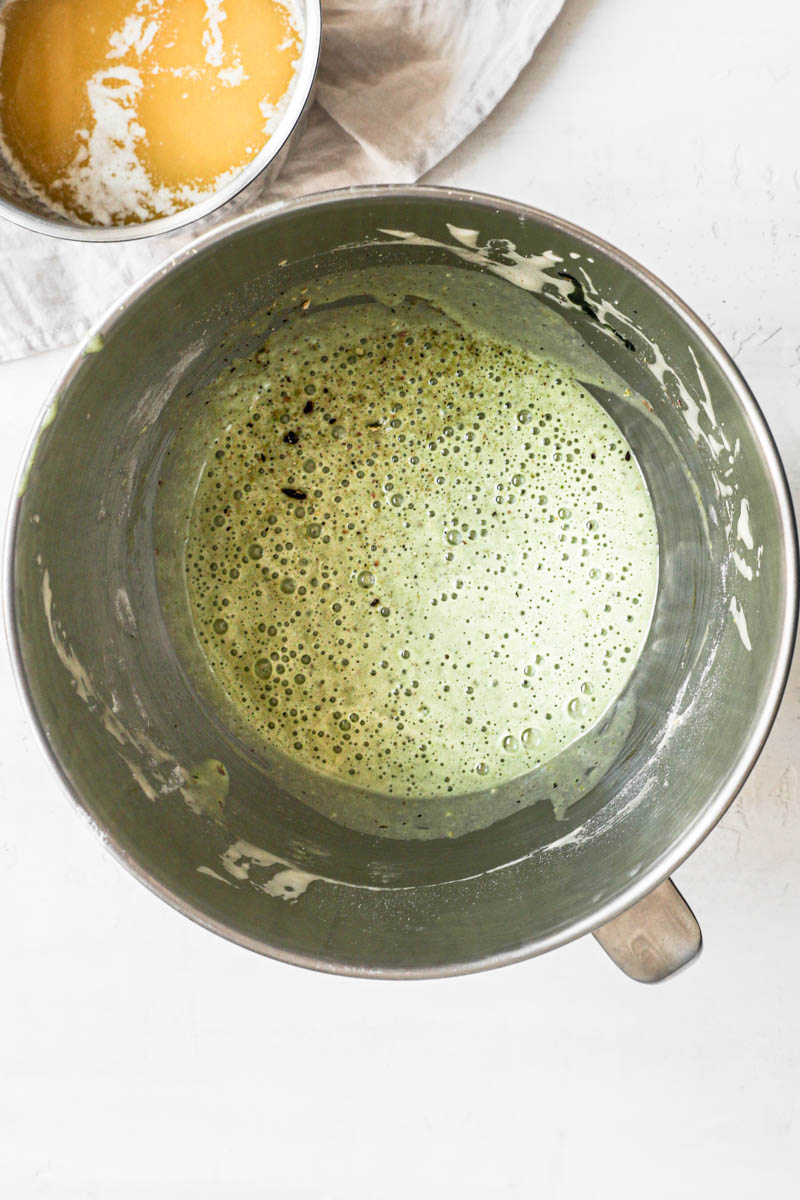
[(418, 560)]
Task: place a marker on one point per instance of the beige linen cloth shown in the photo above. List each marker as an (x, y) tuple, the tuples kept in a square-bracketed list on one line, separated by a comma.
[(401, 83)]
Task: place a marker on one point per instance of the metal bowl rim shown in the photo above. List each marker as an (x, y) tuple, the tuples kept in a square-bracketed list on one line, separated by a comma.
[(290, 118), (717, 804)]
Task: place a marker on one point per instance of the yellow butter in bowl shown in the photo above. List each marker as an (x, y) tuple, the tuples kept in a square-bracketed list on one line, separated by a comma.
[(122, 111)]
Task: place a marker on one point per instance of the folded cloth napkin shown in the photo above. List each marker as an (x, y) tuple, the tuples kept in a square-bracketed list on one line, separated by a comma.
[(401, 83)]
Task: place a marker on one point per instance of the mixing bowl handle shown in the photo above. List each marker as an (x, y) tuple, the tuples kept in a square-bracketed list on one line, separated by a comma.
[(655, 938)]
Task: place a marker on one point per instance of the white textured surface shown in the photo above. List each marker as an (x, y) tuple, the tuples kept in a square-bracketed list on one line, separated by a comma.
[(140, 1055)]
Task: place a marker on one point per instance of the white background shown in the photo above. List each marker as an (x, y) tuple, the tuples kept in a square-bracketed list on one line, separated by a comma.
[(141, 1056)]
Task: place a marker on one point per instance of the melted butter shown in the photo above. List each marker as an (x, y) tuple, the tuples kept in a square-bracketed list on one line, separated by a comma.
[(120, 111)]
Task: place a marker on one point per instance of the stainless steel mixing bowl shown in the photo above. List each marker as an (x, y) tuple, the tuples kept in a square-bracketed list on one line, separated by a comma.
[(23, 207), (149, 762)]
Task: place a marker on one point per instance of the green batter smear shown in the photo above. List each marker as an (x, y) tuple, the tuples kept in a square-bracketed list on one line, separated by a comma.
[(418, 560)]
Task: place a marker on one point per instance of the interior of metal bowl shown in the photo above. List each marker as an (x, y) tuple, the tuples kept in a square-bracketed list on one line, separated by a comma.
[(263, 864)]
